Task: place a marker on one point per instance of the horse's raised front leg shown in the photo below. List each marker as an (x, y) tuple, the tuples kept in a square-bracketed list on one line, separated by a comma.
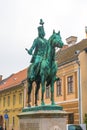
[(36, 92), (43, 90), (29, 92)]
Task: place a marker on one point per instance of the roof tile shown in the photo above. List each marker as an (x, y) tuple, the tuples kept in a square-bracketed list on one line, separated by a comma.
[(68, 54), (14, 79)]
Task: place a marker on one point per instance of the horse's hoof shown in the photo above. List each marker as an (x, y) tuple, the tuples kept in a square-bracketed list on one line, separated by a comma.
[(36, 104), (42, 103), (53, 103)]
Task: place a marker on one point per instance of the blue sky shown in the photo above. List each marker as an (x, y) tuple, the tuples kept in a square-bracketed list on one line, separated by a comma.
[(19, 20)]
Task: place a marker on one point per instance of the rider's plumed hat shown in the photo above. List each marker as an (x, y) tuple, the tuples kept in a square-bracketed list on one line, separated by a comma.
[(41, 28)]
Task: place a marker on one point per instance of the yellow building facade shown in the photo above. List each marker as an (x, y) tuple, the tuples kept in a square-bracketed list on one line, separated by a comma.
[(12, 98), (83, 83)]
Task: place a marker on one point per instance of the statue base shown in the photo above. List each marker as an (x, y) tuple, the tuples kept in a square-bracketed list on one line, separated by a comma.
[(45, 117)]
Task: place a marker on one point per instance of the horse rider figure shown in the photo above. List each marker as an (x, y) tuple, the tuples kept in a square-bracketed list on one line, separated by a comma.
[(39, 47)]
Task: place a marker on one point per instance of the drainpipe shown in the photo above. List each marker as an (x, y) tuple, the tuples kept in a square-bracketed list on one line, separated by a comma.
[(77, 52), (79, 93)]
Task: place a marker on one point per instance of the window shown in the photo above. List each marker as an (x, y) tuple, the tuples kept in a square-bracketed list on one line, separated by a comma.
[(1, 119), (14, 99), (59, 87), (71, 118), (8, 100), (70, 84), (13, 121), (4, 101), (20, 98), (48, 92), (0, 102), (37, 94)]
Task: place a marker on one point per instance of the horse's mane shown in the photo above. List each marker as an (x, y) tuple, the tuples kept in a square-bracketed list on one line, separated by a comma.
[(50, 38)]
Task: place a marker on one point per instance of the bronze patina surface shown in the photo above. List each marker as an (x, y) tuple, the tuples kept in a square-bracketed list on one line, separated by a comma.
[(43, 67)]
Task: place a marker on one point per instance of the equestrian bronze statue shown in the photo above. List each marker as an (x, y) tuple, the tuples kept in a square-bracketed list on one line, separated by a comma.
[(43, 67)]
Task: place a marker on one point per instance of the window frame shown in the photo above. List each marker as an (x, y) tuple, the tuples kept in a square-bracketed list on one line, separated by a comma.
[(20, 98), (47, 92), (59, 87), (8, 100), (70, 84), (14, 99), (4, 101)]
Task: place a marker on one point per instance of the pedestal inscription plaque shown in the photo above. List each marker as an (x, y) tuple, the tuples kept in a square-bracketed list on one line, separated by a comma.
[(29, 126)]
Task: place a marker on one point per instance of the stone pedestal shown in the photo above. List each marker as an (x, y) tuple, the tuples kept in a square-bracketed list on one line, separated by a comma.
[(42, 118)]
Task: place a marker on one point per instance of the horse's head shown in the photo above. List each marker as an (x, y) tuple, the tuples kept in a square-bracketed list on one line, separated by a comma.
[(55, 40)]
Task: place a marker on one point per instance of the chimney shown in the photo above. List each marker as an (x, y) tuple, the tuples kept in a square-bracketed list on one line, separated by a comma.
[(64, 47), (86, 31), (71, 40), (0, 77)]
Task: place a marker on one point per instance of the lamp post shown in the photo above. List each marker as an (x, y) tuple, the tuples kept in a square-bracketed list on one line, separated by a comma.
[(5, 124), (5, 117)]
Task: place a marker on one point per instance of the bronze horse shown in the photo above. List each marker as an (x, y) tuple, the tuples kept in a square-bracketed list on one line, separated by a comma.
[(46, 70)]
